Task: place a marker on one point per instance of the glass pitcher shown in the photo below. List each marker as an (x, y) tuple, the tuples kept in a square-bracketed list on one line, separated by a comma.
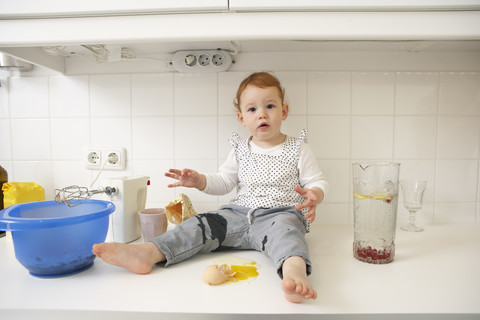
[(375, 201)]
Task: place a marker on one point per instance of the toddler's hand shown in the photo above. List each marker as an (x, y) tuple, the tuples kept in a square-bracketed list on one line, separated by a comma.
[(186, 178), (311, 201)]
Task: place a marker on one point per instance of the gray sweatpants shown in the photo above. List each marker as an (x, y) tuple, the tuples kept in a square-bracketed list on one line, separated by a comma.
[(277, 232)]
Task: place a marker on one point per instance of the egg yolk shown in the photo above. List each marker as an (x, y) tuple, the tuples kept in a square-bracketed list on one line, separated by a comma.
[(244, 272)]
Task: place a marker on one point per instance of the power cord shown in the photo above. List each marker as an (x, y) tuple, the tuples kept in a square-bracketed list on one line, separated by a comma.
[(99, 53)]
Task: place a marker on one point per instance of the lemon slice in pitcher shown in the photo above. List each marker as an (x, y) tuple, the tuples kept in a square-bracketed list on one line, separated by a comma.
[(385, 197)]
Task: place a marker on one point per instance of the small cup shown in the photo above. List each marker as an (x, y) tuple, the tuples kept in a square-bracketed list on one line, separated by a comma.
[(153, 223)]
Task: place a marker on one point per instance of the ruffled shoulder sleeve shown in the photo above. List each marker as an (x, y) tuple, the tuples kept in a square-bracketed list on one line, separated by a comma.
[(299, 140), (235, 140), (239, 145), (303, 135)]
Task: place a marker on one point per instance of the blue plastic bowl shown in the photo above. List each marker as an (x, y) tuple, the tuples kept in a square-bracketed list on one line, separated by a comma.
[(54, 240)]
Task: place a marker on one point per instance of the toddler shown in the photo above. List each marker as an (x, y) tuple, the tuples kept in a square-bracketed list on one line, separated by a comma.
[(278, 187)]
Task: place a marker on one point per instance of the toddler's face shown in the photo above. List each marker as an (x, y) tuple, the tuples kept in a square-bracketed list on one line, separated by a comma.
[(262, 112)]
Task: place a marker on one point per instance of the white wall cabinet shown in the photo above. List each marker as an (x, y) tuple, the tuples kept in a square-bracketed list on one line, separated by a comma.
[(28, 25), (72, 8), (346, 5)]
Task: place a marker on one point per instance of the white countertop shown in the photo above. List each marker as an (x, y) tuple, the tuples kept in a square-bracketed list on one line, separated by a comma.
[(435, 272)]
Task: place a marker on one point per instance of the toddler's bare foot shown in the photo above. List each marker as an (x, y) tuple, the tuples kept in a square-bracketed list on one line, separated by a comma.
[(138, 258), (295, 283)]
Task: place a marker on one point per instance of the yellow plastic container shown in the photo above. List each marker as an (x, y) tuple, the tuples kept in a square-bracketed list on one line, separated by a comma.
[(21, 192)]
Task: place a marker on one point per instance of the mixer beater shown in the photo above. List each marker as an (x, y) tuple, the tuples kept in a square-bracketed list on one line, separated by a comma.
[(74, 195)]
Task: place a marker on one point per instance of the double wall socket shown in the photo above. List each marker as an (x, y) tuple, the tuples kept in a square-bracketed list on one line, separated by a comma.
[(113, 158), (201, 61)]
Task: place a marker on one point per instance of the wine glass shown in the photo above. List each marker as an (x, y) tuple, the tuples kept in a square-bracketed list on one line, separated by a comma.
[(412, 191)]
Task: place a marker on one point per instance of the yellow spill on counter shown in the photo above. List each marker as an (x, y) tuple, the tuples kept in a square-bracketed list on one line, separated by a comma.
[(232, 269), (244, 272)]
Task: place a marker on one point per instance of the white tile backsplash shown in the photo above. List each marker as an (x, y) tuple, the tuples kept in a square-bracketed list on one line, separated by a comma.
[(416, 93), (227, 125), (373, 93), (329, 93), (195, 94), (228, 83), (459, 93), (295, 84), (294, 125), (4, 97), (330, 136), (111, 132), (69, 137), (456, 180), (428, 121), (415, 137), (67, 173), (478, 188), (339, 172), (152, 95), (153, 138), (29, 97), (40, 172), (110, 96), (454, 212), (372, 137), (5, 149), (69, 96), (30, 139), (195, 138), (458, 136)]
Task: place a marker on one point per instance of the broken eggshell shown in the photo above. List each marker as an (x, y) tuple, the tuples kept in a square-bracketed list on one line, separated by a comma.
[(179, 209), (217, 274)]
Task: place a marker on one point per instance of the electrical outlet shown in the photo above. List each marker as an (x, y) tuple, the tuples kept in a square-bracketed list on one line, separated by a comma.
[(93, 158), (204, 59), (113, 158), (218, 59), (201, 61), (190, 60)]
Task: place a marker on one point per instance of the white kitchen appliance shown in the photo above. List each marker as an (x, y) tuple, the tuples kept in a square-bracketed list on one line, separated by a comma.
[(129, 197)]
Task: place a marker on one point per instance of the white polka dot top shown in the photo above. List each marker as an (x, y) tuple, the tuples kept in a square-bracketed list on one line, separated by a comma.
[(268, 181)]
